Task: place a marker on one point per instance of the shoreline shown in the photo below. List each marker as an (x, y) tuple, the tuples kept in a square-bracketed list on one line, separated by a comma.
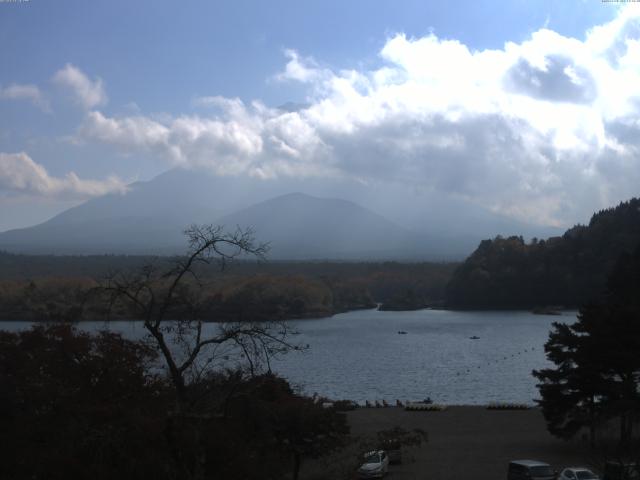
[(318, 316)]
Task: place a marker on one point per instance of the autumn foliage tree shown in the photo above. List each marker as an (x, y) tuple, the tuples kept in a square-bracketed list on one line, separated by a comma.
[(269, 430), (75, 405), (79, 405)]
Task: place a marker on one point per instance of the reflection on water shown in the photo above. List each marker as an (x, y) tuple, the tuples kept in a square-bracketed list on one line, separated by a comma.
[(361, 356)]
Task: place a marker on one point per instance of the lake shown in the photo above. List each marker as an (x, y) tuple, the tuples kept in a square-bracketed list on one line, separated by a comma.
[(361, 356)]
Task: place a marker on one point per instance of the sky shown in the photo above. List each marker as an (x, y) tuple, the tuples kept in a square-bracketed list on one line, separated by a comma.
[(527, 108)]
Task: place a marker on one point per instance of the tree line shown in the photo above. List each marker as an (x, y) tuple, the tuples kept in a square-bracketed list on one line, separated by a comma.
[(563, 271), (267, 290)]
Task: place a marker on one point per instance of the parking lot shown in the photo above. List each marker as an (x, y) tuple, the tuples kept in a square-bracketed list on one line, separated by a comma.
[(471, 442)]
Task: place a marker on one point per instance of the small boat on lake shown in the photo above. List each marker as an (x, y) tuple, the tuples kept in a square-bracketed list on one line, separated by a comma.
[(474, 337)]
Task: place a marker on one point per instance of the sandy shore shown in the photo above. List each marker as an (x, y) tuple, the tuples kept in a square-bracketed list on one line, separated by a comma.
[(470, 442)]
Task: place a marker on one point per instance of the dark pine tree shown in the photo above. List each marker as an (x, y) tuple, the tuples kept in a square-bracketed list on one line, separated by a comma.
[(597, 367)]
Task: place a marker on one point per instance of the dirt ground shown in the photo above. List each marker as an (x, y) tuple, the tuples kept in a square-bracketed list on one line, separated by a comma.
[(470, 442)]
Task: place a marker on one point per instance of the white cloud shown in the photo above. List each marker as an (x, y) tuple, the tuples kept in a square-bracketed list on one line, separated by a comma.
[(300, 69), (130, 132), (545, 130), (19, 173), (25, 92), (87, 93)]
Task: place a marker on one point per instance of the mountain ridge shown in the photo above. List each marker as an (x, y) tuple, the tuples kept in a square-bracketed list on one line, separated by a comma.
[(151, 216)]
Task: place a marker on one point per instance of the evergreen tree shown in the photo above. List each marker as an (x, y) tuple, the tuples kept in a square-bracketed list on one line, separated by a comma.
[(597, 372)]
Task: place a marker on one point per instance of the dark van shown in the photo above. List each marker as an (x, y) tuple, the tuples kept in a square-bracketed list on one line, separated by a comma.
[(530, 470)]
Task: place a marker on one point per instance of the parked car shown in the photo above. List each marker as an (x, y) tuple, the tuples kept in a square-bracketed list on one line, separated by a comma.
[(577, 473), (530, 470), (375, 465), (621, 471)]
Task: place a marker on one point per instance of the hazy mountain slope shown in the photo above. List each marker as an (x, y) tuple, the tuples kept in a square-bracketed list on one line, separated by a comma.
[(171, 195), (114, 235), (296, 225), (150, 217), (301, 226)]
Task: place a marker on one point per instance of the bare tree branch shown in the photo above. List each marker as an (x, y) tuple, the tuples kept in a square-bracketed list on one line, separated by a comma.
[(168, 303)]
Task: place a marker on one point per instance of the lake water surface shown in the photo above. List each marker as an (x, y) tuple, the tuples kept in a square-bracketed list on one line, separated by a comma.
[(361, 356)]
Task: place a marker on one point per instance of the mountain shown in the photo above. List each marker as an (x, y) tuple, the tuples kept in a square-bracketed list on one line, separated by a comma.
[(570, 270), (150, 217), (299, 226)]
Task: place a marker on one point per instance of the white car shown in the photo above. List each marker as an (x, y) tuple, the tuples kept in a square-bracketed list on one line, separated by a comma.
[(376, 465), (577, 473)]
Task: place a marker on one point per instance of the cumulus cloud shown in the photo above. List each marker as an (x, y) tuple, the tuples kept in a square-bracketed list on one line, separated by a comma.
[(304, 70), (28, 92), (545, 130), (19, 173), (559, 80), (88, 93)]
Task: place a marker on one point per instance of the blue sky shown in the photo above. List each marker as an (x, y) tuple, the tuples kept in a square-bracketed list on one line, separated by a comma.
[(161, 54), (94, 95)]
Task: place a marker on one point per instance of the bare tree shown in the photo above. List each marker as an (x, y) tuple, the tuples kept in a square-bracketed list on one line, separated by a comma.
[(168, 301)]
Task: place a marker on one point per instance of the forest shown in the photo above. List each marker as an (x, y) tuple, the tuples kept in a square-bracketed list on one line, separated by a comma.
[(47, 287), (503, 273), (565, 271)]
